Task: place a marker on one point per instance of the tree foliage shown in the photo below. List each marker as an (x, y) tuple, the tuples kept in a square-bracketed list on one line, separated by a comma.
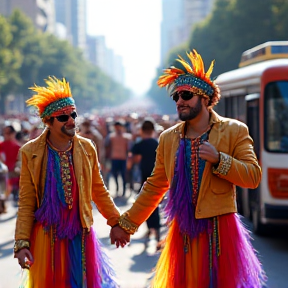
[(28, 56), (233, 27)]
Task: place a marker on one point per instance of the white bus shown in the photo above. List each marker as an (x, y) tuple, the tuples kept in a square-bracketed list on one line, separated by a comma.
[(257, 94)]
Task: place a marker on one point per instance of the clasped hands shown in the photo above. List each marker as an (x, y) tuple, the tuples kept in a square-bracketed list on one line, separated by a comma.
[(119, 237)]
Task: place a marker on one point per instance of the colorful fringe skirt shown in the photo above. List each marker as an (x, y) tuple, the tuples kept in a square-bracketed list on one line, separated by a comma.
[(63, 263), (222, 257)]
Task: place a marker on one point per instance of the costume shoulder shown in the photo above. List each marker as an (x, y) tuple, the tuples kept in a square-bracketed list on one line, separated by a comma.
[(36, 143), (231, 123), (177, 128), (85, 142)]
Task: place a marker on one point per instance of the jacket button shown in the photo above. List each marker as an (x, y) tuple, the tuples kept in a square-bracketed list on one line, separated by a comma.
[(199, 211)]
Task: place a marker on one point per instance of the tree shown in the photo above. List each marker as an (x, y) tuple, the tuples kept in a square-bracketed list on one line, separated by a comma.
[(233, 27), (29, 56), (238, 25), (10, 61)]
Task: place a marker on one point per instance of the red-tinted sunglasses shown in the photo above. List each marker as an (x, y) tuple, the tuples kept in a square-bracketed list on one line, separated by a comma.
[(65, 117), (185, 95)]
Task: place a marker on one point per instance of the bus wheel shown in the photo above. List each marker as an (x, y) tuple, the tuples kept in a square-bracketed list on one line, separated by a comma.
[(258, 227)]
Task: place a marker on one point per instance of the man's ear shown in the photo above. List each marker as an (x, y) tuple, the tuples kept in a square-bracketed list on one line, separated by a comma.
[(205, 101), (48, 122)]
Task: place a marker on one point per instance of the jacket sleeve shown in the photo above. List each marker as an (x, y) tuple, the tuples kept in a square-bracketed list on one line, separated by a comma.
[(27, 203), (241, 168), (152, 191), (101, 195)]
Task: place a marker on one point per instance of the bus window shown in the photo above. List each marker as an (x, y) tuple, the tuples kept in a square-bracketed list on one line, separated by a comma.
[(279, 49), (220, 107), (228, 107), (253, 124), (241, 113), (233, 107), (276, 116)]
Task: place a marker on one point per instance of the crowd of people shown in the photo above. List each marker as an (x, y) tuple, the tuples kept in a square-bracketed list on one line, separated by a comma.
[(196, 161), (17, 130)]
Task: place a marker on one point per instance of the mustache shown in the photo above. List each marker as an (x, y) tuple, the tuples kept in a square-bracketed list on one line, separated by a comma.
[(183, 106), (70, 127)]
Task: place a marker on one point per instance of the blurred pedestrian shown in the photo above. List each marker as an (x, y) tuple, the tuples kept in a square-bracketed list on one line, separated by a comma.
[(118, 144), (200, 161), (59, 178), (9, 149), (3, 187), (87, 130), (144, 153)]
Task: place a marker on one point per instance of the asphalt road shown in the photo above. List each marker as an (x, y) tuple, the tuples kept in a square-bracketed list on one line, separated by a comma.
[(134, 264)]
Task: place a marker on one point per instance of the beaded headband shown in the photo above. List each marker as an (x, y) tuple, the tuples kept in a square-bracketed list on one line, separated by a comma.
[(48, 100), (194, 79), (57, 105)]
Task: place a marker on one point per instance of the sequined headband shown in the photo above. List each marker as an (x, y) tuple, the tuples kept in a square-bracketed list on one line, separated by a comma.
[(57, 105), (184, 82), (193, 78)]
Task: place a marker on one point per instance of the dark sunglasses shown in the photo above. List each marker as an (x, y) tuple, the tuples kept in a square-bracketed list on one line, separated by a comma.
[(185, 95), (65, 117)]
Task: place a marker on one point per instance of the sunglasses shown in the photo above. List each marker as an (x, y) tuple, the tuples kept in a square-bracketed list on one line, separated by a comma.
[(185, 95), (65, 117)]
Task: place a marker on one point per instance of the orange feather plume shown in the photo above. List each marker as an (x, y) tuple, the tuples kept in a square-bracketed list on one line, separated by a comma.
[(196, 68), (55, 90)]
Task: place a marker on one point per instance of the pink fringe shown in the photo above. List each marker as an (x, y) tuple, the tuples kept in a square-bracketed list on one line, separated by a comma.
[(239, 266)]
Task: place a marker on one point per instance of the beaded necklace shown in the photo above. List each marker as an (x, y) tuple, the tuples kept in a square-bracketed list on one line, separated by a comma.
[(65, 159), (196, 164)]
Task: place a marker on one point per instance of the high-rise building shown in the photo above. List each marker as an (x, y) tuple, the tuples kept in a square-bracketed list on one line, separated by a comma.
[(41, 12), (178, 19), (97, 51), (105, 58), (118, 73), (171, 26), (195, 11), (72, 15)]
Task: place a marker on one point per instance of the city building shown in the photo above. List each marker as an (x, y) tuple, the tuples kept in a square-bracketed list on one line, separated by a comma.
[(179, 17), (71, 21), (104, 58), (41, 12)]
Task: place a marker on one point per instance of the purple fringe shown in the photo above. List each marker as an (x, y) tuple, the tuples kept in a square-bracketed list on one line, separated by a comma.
[(179, 204), (52, 212), (99, 262)]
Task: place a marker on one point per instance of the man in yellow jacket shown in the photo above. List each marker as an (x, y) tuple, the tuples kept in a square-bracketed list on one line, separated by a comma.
[(59, 179), (199, 162)]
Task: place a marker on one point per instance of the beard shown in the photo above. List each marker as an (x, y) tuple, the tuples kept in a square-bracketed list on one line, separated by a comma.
[(193, 111), (69, 132)]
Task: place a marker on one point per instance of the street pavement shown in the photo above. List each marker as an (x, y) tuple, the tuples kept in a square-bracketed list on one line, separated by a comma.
[(133, 264)]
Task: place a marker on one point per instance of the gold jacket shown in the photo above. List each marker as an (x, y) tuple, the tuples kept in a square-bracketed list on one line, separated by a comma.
[(89, 180), (217, 194)]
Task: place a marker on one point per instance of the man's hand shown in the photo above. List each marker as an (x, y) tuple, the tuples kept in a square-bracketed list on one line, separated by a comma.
[(118, 236), (25, 258), (209, 153)]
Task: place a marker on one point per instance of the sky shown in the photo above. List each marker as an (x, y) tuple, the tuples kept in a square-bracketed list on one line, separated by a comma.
[(132, 30)]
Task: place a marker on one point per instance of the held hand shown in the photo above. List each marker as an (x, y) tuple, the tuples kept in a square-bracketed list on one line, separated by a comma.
[(209, 153), (119, 237), (25, 258)]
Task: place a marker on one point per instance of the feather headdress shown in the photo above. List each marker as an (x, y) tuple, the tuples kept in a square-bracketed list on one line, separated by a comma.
[(56, 96), (194, 79)]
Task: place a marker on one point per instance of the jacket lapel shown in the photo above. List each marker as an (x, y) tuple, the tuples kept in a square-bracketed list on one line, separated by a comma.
[(37, 154), (77, 157), (214, 136), (214, 139)]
